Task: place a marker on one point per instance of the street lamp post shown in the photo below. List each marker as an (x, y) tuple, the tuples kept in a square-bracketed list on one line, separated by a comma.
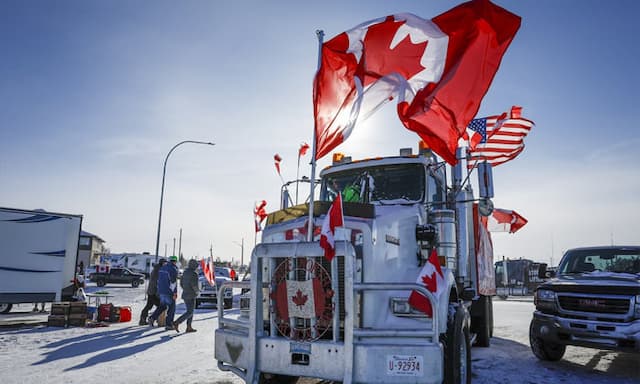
[(241, 245), (164, 172)]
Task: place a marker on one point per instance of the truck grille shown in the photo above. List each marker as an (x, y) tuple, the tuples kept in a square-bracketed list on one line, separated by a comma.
[(594, 304)]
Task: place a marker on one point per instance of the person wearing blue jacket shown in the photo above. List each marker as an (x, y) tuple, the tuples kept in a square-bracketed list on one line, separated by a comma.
[(168, 292)]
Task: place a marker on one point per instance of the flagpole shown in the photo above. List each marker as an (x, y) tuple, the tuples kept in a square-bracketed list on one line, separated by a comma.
[(320, 36)]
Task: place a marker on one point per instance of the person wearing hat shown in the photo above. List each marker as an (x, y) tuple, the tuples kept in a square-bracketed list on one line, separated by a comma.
[(190, 290), (168, 292), (153, 299)]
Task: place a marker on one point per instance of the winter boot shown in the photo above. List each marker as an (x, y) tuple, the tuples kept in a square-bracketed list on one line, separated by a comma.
[(175, 326), (189, 329)]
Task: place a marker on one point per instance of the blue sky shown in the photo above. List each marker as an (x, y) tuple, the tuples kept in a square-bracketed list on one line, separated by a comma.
[(94, 94)]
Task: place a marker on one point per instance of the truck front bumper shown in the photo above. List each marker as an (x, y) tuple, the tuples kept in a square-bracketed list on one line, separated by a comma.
[(326, 359), (623, 336)]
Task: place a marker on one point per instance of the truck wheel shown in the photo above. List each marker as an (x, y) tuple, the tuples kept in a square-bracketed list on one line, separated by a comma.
[(545, 350), (228, 303), (5, 308), (100, 283), (482, 320), (270, 378), (135, 283), (457, 345)]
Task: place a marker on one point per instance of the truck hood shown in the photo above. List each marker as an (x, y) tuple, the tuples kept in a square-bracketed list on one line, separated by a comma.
[(596, 282)]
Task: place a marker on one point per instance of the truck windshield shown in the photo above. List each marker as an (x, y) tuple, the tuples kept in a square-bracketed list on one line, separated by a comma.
[(386, 184), (606, 260)]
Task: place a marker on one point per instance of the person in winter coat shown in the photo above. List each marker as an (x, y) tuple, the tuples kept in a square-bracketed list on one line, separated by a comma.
[(168, 292), (153, 299), (190, 289)]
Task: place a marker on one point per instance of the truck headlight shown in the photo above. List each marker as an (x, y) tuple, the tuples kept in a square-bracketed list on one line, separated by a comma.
[(545, 299), (401, 307)]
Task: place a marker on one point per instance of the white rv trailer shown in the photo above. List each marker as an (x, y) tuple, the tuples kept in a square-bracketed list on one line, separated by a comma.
[(38, 256)]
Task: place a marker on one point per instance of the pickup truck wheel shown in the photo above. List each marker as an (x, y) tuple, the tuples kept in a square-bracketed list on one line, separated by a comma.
[(270, 378), (457, 345), (5, 308), (100, 283), (545, 350), (135, 283)]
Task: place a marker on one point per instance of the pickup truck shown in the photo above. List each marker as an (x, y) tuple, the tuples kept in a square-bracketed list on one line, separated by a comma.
[(117, 276), (593, 301), (209, 293)]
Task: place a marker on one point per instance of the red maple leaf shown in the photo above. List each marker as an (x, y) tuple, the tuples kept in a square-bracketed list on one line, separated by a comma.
[(430, 282), (379, 59), (299, 299)]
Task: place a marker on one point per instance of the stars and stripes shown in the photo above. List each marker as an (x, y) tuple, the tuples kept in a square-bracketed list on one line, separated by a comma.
[(501, 137)]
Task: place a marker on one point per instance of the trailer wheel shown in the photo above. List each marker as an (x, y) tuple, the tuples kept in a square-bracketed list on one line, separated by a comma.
[(482, 320), (270, 378), (545, 350), (457, 345), (5, 308), (101, 283), (135, 283)]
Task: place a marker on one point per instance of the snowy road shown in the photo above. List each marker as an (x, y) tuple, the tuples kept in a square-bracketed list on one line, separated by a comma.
[(126, 352)]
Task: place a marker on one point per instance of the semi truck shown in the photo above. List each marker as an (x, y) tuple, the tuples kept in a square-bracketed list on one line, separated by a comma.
[(350, 320), (38, 256)]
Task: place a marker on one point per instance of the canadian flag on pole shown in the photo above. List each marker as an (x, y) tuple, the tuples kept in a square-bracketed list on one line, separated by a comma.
[(438, 71), (208, 270), (504, 220), (333, 219), (260, 213), (432, 278)]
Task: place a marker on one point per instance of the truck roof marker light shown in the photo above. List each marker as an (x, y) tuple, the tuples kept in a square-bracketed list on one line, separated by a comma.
[(406, 152), (423, 149), (337, 157)]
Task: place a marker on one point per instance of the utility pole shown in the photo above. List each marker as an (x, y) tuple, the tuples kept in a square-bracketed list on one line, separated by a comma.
[(174, 247), (180, 246)]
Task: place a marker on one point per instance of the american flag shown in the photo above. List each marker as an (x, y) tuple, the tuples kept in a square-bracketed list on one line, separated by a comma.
[(501, 137)]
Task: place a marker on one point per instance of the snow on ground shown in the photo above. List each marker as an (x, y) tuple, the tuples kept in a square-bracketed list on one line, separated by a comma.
[(129, 353)]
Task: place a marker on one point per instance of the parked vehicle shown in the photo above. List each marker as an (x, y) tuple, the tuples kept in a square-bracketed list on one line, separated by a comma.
[(117, 276), (593, 301), (350, 319), (38, 256), (209, 293), (522, 277)]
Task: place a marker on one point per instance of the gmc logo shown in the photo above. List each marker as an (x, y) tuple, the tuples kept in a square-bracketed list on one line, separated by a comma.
[(594, 303)]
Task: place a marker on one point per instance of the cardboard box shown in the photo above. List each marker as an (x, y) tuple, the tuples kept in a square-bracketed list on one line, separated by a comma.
[(77, 320), (77, 307), (57, 321), (60, 308)]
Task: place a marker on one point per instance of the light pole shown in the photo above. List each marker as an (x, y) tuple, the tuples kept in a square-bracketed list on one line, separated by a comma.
[(241, 245), (164, 171)]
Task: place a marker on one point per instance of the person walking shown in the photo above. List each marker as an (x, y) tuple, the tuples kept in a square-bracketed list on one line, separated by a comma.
[(153, 299), (168, 292), (190, 290)]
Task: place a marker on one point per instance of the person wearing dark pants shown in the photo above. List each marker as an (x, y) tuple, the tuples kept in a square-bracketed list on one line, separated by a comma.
[(190, 289), (152, 292), (168, 292)]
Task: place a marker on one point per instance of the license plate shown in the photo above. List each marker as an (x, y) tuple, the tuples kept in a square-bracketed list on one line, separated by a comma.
[(404, 365)]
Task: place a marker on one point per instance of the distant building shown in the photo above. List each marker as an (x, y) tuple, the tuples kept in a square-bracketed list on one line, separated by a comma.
[(90, 249)]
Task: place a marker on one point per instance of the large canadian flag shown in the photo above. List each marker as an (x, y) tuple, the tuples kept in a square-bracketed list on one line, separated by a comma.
[(303, 299), (438, 71), (333, 220), (208, 269), (432, 278)]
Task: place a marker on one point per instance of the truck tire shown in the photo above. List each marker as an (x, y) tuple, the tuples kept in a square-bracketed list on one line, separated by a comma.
[(270, 378), (135, 283), (545, 350), (457, 348), (228, 303), (482, 321), (5, 308), (101, 283)]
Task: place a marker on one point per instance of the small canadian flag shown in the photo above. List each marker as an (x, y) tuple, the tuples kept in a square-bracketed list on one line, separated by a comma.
[(333, 220), (432, 278)]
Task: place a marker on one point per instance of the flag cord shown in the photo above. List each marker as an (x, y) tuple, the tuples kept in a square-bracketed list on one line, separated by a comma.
[(320, 36)]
